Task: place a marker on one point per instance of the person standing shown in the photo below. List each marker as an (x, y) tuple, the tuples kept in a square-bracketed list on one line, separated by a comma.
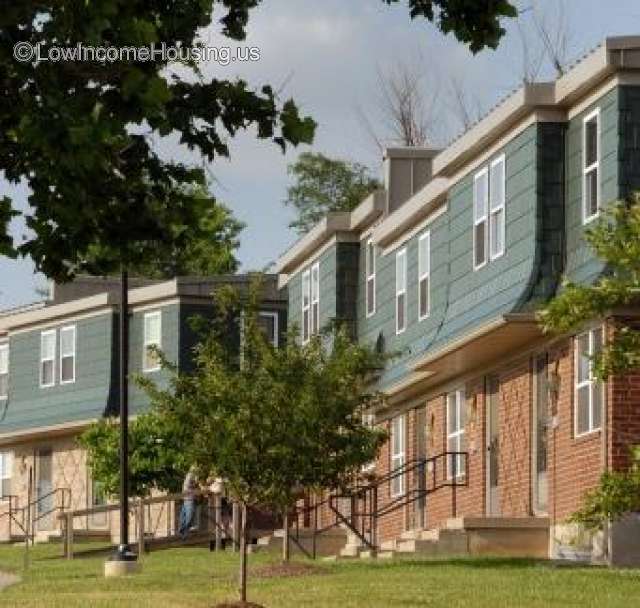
[(189, 487)]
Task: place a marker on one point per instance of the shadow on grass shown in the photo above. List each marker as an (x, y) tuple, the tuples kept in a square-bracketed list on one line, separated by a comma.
[(482, 563)]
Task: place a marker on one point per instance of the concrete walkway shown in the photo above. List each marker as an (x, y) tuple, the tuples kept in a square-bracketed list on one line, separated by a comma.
[(7, 579)]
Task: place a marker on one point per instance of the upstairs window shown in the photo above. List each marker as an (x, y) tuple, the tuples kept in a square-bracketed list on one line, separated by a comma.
[(6, 467), (371, 278), (306, 305), (424, 275), (480, 232), (398, 453), (68, 354), (4, 371), (152, 341), (401, 291), (456, 444), (268, 323), (48, 358), (591, 166), (496, 208), (589, 393), (315, 298)]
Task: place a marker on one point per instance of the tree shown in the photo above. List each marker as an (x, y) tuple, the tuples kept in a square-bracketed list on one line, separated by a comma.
[(616, 240), (323, 184)]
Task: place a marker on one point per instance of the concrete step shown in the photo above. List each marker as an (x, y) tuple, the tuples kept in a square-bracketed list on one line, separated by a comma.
[(350, 551), (386, 554), (417, 546), (388, 545)]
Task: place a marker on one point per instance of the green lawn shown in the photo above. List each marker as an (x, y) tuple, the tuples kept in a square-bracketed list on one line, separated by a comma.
[(195, 577)]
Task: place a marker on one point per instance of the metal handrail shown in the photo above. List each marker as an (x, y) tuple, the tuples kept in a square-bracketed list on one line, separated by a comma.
[(20, 514)]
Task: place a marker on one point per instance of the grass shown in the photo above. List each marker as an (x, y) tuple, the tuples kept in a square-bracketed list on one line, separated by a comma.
[(195, 577)]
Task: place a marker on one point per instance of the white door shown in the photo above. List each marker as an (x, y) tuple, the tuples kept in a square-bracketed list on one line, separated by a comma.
[(492, 408)]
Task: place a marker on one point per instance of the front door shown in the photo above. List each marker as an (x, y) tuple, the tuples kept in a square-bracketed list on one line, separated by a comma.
[(44, 488), (420, 450), (492, 408), (540, 435)]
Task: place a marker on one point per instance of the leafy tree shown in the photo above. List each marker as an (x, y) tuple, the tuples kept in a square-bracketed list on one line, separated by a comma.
[(323, 184), (615, 237)]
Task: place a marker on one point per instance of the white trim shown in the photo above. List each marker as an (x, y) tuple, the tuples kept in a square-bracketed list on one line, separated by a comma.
[(458, 434), (272, 314), (424, 273), (589, 382), (306, 307), (595, 166), (146, 341), (73, 354), (6, 469), (401, 291), (4, 348), (398, 458), (500, 207), (370, 261), (315, 298), (481, 218), (43, 334)]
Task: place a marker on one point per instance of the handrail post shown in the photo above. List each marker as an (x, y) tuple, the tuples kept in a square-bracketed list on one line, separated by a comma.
[(315, 526), (69, 534), (374, 522)]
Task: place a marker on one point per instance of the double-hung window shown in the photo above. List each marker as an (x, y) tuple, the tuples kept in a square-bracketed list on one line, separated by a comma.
[(315, 298), (398, 454), (589, 393), (496, 208), (306, 305), (68, 354), (268, 323), (424, 275), (6, 466), (48, 358), (480, 232), (152, 341), (401, 291), (456, 444), (371, 277), (591, 166), (4, 371)]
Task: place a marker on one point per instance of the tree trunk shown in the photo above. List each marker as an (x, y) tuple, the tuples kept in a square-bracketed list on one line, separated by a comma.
[(285, 539), (243, 554)]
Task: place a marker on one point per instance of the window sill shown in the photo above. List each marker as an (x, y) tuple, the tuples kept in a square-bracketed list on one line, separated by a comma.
[(587, 437)]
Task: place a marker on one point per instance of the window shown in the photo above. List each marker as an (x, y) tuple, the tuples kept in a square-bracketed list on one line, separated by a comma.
[(480, 233), (6, 466), (268, 322), (68, 354), (152, 341), (398, 446), (315, 298), (401, 291), (496, 208), (424, 273), (371, 277), (591, 166), (48, 358), (306, 305), (456, 418), (589, 392), (4, 371)]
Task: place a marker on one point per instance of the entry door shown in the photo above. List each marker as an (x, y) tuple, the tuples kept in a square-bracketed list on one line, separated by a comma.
[(420, 450), (540, 435), (492, 408), (44, 487)]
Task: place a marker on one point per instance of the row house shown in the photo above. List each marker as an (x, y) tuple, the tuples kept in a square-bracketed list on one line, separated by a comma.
[(59, 374), (492, 425)]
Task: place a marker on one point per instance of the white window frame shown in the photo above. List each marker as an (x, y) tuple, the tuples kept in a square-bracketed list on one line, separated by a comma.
[(458, 434), (306, 305), (401, 290), (62, 355), (499, 207), (424, 272), (594, 166), (43, 334), (480, 219), (591, 382), (6, 470), (270, 314), (4, 371), (315, 299), (398, 454), (370, 277), (147, 342)]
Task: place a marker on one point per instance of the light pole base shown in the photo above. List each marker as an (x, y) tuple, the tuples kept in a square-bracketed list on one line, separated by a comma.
[(123, 563)]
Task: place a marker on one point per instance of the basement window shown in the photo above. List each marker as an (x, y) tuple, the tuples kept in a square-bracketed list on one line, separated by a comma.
[(591, 166), (4, 371), (589, 393), (401, 291)]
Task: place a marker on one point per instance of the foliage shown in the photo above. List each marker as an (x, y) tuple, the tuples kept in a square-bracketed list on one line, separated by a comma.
[(617, 494), (615, 237), (81, 135), (323, 184)]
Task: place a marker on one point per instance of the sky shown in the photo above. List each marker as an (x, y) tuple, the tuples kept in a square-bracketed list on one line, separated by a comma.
[(328, 56)]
